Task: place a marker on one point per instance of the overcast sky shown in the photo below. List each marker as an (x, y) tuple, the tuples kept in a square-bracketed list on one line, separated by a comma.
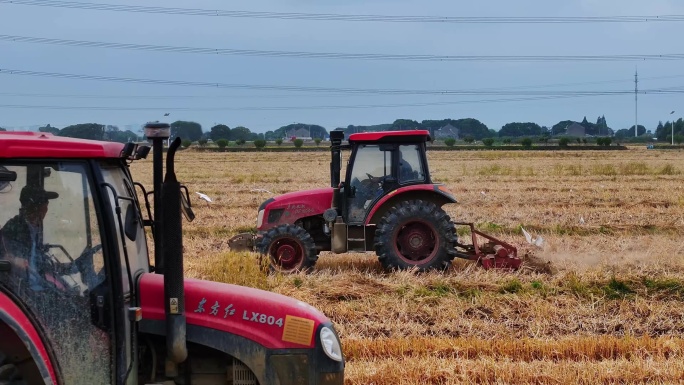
[(245, 107)]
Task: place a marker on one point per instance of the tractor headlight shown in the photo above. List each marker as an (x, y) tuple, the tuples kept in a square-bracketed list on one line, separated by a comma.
[(331, 345), (260, 218)]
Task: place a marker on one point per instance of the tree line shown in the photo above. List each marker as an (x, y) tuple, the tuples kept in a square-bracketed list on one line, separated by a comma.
[(469, 129)]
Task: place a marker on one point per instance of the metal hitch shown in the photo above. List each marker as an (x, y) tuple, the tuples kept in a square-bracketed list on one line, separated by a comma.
[(492, 254)]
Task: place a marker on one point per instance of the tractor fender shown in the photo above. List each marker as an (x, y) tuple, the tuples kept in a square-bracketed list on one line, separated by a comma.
[(12, 317), (436, 193)]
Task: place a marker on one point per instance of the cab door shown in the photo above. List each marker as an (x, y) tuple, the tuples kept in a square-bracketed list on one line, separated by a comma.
[(369, 179), (58, 268)]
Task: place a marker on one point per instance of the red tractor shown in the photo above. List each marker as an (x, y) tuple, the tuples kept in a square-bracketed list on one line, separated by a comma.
[(80, 302), (387, 203)]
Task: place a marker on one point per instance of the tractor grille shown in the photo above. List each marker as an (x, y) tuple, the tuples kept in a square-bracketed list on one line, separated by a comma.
[(242, 375)]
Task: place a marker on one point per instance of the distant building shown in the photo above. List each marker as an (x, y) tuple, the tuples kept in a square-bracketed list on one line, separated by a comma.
[(576, 129), (447, 131)]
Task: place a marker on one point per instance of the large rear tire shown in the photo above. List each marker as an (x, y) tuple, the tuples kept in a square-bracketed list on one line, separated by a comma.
[(289, 249), (415, 234)]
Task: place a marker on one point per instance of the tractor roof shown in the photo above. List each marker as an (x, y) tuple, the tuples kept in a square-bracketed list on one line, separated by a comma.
[(46, 145), (391, 136)]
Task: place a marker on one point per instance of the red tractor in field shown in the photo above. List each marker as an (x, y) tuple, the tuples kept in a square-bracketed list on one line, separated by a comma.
[(80, 302), (387, 203)]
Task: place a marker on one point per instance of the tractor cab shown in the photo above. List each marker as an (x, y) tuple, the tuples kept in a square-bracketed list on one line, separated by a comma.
[(81, 302), (380, 163)]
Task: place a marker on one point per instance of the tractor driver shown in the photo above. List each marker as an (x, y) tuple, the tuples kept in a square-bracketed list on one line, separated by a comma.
[(22, 236)]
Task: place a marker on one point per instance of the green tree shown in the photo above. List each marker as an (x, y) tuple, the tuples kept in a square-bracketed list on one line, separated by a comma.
[(450, 142), (466, 127), (260, 143), (563, 142), (469, 139), (318, 141), (240, 142), (506, 141), (279, 141), (298, 143), (526, 142), (186, 130), (240, 132), (219, 131), (84, 131), (186, 143), (629, 133), (49, 129), (520, 129), (222, 143), (679, 139), (488, 142), (406, 124), (203, 142)]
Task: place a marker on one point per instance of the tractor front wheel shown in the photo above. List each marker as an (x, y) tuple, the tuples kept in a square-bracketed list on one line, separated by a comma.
[(289, 248), (415, 234)]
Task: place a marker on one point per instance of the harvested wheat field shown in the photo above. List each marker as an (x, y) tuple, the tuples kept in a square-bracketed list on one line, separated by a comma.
[(609, 311)]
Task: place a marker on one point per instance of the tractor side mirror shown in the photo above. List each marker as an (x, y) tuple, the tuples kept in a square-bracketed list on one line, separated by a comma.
[(186, 207), (7, 175)]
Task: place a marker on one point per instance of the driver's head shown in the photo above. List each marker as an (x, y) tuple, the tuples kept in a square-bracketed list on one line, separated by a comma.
[(34, 200)]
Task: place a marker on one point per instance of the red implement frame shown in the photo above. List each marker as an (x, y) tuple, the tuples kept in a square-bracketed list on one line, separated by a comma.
[(493, 254)]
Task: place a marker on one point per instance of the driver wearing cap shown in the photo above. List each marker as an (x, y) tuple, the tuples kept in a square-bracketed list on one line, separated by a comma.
[(22, 235)]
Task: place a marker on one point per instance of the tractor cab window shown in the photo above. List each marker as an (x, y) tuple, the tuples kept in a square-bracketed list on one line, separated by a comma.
[(410, 164), (370, 168), (51, 236)]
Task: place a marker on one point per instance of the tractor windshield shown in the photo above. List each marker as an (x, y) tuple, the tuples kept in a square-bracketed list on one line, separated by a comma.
[(51, 235)]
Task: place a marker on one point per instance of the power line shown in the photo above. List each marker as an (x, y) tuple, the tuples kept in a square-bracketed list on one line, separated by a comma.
[(354, 91), (287, 108), (265, 87), (349, 17), (243, 96), (336, 55)]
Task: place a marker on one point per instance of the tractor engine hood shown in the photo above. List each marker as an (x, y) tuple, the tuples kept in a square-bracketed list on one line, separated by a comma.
[(272, 320), (288, 208)]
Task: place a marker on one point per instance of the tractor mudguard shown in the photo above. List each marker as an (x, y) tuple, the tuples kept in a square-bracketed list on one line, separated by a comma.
[(436, 193), (288, 208), (14, 318)]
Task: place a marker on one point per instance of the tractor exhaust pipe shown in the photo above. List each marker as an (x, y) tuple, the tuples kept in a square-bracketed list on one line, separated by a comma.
[(336, 162), (174, 288)]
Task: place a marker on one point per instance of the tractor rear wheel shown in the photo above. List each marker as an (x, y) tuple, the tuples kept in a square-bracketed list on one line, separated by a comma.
[(418, 234), (9, 374), (289, 248)]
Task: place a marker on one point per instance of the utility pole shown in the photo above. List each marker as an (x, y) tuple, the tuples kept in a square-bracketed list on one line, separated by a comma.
[(636, 103)]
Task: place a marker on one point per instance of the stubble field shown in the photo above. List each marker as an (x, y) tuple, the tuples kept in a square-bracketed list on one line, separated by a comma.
[(611, 311)]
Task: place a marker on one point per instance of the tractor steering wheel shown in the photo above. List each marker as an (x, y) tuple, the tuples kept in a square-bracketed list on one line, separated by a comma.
[(375, 179)]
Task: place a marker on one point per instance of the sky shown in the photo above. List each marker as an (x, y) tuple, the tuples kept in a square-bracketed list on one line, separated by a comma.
[(37, 100)]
